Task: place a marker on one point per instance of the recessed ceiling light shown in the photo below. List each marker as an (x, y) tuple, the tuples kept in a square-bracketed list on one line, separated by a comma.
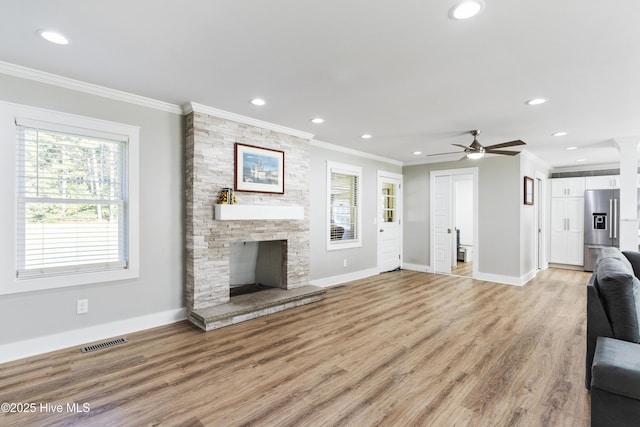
[(317, 120), (537, 101), (466, 9), (53, 37), (417, 153), (581, 160), (559, 133), (366, 136), (572, 148), (258, 101)]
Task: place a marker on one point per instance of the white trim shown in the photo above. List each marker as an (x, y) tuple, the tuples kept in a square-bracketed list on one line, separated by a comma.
[(9, 283), (345, 150), (506, 280), (565, 266), (192, 107), (342, 278), (67, 83), (539, 162), (45, 344), (417, 267), (355, 171)]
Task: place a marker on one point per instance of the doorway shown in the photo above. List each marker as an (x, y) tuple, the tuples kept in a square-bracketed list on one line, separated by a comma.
[(454, 226)]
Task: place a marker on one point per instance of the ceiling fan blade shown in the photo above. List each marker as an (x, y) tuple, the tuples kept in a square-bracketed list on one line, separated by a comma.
[(506, 144), (461, 146), (503, 152), (442, 154)]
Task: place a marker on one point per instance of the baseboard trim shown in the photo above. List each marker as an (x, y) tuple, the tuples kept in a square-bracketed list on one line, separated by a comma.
[(417, 267), (32, 347), (506, 280), (336, 280)]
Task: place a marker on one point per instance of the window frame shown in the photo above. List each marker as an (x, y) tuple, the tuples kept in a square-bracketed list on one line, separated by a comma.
[(356, 171), (10, 116)]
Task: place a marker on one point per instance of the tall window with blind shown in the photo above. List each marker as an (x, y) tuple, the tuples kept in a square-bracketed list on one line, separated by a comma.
[(343, 206), (72, 200)]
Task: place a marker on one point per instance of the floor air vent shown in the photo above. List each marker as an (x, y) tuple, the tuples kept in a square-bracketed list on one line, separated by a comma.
[(102, 345)]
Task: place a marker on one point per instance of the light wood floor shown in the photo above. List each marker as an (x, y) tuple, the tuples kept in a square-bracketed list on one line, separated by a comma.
[(462, 269), (399, 349)]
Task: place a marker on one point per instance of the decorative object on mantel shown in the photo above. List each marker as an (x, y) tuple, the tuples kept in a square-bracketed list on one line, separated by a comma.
[(528, 190), (227, 197), (259, 170)]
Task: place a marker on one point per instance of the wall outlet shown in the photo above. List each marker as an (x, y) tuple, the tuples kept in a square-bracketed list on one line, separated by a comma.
[(82, 306), (344, 263)]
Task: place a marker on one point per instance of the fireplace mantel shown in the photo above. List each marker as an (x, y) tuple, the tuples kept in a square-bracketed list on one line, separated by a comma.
[(257, 212)]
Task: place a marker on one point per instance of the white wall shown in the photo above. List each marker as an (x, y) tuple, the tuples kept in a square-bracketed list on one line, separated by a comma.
[(533, 168), (159, 290)]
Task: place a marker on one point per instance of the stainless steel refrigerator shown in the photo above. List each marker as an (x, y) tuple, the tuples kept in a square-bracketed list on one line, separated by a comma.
[(601, 223)]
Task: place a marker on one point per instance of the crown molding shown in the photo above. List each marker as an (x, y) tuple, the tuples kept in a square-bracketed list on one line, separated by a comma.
[(524, 153), (192, 107), (345, 150), (67, 83)]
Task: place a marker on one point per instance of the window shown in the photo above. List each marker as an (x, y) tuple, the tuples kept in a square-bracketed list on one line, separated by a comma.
[(343, 184), (75, 200)]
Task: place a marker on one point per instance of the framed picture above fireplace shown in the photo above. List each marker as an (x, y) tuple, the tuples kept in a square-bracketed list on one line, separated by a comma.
[(258, 169)]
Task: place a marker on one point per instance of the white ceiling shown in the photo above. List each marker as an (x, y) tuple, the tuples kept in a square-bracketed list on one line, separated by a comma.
[(401, 71)]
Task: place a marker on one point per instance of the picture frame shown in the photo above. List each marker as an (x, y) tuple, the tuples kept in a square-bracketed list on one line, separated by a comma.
[(528, 190), (258, 169)]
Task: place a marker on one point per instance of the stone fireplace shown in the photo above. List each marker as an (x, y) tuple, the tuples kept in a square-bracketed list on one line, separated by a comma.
[(258, 217)]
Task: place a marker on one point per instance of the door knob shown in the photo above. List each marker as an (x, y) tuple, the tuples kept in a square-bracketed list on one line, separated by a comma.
[(381, 230)]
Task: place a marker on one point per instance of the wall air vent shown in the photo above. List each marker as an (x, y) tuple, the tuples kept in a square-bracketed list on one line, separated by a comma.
[(100, 346)]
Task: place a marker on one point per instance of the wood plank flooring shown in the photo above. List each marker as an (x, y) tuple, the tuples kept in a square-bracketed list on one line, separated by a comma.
[(398, 349)]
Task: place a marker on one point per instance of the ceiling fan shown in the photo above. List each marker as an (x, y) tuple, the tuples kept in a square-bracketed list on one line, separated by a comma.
[(477, 150)]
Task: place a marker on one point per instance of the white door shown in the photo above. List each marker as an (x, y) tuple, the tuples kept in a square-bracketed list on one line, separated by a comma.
[(389, 221), (443, 246)]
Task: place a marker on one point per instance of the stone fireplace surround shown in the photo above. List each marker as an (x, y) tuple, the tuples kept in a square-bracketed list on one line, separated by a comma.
[(209, 167)]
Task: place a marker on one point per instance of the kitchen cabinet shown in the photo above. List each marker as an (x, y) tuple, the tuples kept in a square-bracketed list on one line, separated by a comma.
[(567, 187), (567, 221), (604, 182)]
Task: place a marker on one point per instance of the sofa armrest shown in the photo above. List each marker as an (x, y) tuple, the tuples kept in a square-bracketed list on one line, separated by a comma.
[(597, 325), (616, 367)]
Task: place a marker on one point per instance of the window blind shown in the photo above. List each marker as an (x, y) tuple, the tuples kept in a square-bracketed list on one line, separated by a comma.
[(71, 201), (344, 207)]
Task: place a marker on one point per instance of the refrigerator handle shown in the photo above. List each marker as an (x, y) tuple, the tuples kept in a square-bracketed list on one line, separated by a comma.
[(612, 220), (615, 218)]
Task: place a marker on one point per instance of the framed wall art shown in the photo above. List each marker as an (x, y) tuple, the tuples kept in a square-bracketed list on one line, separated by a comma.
[(259, 170), (528, 190)]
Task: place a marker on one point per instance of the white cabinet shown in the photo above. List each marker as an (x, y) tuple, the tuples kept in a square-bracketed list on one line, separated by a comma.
[(604, 182), (567, 187), (567, 217)]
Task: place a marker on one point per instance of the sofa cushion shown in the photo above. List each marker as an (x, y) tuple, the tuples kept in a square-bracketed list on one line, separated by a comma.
[(616, 283), (616, 367)]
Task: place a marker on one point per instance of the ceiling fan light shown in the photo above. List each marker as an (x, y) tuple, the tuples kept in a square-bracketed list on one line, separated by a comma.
[(475, 155)]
